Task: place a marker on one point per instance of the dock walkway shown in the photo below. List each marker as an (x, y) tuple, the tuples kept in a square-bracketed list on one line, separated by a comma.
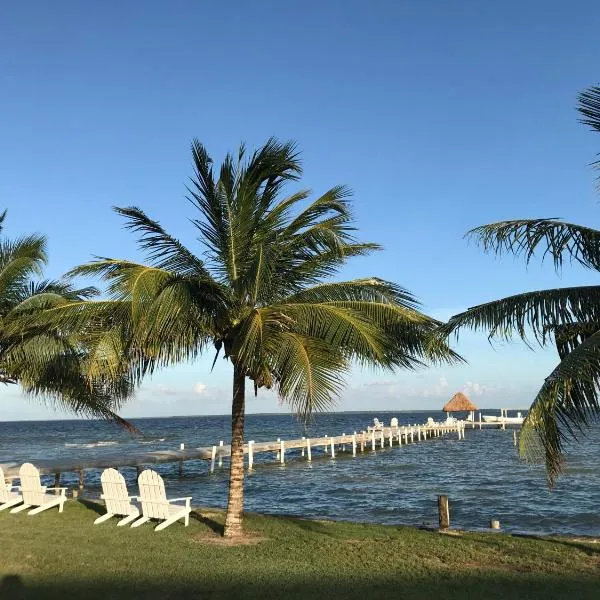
[(356, 442)]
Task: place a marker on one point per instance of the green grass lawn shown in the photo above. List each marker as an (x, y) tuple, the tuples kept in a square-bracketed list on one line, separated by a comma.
[(54, 555)]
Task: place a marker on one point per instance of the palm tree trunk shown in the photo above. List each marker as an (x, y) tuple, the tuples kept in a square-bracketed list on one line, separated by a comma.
[(235, 501)]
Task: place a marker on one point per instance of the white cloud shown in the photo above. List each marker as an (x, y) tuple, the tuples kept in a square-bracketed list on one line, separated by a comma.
[(476, 389), (199, 387)]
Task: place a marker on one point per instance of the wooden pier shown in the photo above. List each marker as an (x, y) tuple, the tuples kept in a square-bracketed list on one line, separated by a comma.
[(356, 442)]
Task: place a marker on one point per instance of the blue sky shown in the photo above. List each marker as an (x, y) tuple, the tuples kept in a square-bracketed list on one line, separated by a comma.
[(441, 116)]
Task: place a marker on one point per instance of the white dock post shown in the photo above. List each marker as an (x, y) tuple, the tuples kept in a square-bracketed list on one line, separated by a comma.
[(212, 459), (308, 456), (343, 445), (303, 448), (182, 446), (412, 434), (332, 448), (220, 454), (515, 437), (419, 434), (282, 451), (480, 420), (362, 441), (391, 437), (250, 455), (278, 457), (382, 439), (373, 440), (458, 431), (326, 443), (354, 444)]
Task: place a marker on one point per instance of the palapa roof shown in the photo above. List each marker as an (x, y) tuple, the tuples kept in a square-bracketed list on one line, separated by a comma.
[(459, 402)]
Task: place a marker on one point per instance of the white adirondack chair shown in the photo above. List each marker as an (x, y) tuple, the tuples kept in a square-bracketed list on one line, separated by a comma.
[(117, 499), (9, 494), (394, 422), (34, 493), (155, 504)]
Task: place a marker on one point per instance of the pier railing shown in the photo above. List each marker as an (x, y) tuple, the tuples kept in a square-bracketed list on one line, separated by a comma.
[(356, 442)]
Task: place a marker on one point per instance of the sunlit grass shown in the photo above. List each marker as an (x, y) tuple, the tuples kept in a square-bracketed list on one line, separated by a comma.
[(56, 556)]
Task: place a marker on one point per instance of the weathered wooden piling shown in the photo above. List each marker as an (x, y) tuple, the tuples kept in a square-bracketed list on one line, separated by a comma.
[(444, 512)]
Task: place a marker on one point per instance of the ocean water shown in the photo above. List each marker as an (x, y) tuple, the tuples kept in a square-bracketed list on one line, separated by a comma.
[(482, 474)]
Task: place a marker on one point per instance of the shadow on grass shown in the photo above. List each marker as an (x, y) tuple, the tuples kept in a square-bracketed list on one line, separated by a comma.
[(213, 525), (97, 507), (489, 585), (577, 544), (11, 586)]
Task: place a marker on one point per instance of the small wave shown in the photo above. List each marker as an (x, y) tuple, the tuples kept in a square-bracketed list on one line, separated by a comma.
[(92, 445), (153, 441)]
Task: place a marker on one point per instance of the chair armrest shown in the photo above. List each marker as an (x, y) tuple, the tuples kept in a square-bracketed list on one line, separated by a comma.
[(186, 498), (64, 489)]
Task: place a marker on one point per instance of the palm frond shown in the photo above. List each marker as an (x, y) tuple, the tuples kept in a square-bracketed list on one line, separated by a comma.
[(566, 404), (163, 250), (557, 239), (309, 373), (532, 313)]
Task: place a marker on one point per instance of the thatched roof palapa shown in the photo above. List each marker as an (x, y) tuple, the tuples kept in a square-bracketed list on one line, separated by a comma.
[(459, 402)]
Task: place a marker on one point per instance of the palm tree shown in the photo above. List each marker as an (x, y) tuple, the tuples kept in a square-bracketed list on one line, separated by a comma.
[(259, 293), (569, 318), (47, 364)]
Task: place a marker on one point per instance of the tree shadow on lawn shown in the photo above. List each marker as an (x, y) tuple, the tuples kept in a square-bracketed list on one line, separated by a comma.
[(487, 584), (590, 548)]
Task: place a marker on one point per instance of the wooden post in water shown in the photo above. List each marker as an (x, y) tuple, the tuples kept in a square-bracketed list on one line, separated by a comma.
[(412, 434), (138, 470), (354, 444), (250, 455), (515, 437), (373, 440), (480, 420), (220, 454), (343, 445), (418, 434), (57, 482), (182, 446), (444, 512), (362, 441), (309, 458), (382, 439), (332, 448), (180, 468), (278, 457), (391, 438), (81, 479), (212, 459), (282, 451), (303, 448)]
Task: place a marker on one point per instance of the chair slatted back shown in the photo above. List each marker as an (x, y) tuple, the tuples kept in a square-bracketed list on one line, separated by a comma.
[(394, 422), (4, 488), (114, 491), (152, 495), (31, 487)]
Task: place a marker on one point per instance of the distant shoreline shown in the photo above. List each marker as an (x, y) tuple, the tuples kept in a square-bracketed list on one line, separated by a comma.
[(374, 412)]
